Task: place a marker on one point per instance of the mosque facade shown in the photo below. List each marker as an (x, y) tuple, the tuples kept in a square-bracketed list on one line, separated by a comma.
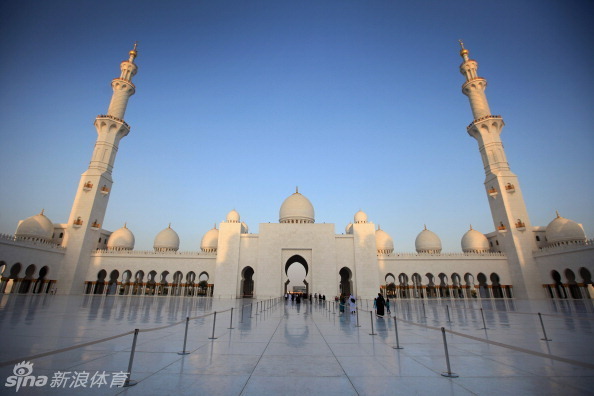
[(517, 259)]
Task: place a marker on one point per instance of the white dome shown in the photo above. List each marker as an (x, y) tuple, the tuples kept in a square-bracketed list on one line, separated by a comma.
[(428, 242), (562, 230), (37, 227), (121, 239), (360, 217), (349, 228), (474, 242), (296, 209), (210, 241), (233, 217), (383, 242), (166, 240)]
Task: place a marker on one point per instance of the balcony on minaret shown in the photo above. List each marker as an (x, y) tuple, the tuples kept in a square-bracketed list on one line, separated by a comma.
[(77, 223), (492, 192), (104, 190), (114, 119), (520, 226), (95, 225), (501, 227), (87, 186), (510, 188)]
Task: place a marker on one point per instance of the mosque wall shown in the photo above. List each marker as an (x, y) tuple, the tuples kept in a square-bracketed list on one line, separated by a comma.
[(571, 257)]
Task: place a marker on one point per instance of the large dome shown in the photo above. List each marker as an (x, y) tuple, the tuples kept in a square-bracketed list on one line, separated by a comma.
[(428, 242), (360, 217), (36, 227), (562, 230), (121, 239), (383, 242), (474, 242), (210, 241), (296, 209), (166, 240), (233, 217)]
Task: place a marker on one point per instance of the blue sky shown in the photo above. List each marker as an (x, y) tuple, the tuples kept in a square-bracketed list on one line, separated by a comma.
[(357, 103)]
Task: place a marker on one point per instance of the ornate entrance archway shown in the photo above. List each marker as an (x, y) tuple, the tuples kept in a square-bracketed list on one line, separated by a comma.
[(247, 282), (346, 281), (296, 259)]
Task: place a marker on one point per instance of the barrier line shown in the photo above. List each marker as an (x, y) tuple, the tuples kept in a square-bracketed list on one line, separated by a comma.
[(70, 348), (527, 313), (514, 348)]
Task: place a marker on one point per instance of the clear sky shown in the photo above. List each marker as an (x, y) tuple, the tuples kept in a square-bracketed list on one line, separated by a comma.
[(356, 102)]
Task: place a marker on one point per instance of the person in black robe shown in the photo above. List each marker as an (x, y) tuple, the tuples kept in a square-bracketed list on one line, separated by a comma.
[(381, 303)]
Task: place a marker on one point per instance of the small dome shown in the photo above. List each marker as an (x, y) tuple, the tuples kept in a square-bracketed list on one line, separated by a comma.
[(383, 242), (121, 239), (349, 228), (562, 230), (296, 209), (360, 217), (36, 227), (428, 242), (244, 228), (210, 241), (166, 240), (474, 242), (233, 217)]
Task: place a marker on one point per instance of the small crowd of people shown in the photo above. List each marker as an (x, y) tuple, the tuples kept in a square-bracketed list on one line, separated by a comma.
[(381, 305)]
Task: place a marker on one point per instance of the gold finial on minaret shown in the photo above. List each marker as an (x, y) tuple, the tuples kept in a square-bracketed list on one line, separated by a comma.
[(296, 189), (133, 53), (463, 51)]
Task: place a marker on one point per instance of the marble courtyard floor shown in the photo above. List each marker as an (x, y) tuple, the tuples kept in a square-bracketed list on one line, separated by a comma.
[(290, 349)]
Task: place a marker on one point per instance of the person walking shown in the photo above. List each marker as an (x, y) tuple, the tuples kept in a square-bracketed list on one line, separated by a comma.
[(380, 304), (341, 305), (388, 307), (353, 304)]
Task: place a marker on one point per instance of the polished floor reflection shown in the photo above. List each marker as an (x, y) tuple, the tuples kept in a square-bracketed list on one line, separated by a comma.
[(307, 348)]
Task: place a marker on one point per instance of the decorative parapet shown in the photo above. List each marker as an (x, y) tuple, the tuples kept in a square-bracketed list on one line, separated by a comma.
[(406, 254), (105, 252), (114, 119), (565, 246), (489, 117), (30, 242)]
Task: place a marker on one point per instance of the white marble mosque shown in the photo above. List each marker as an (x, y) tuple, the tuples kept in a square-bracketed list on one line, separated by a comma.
[(517, 259)]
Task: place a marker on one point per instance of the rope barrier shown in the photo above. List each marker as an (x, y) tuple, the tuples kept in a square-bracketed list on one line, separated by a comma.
[(499, 344), (70, 348)]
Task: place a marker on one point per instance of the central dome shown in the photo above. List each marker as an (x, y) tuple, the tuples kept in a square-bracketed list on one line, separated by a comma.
[(296, 209)]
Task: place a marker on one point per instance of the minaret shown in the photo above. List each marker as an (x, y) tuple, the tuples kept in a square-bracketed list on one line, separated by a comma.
[(508, 209), (92, 195)]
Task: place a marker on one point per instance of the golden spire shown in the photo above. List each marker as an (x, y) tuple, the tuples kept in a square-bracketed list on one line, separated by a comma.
[(42, 210), (169, 225), (558, 215), (470, 227), (296, 189), (463, 51), (125, 225), (133, 53)]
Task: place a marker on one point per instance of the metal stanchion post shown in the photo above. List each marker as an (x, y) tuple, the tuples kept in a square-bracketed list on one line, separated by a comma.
[(484, 325), (242, 309), (396, 330), (231, 321), (357, 325), (448, 312), (543, 329), (371, 317), (261, 306), (257, 302), (334, 308), (424, 311), (214, 323), (183, 352), (130, 382), (445, 346), (251, 309)]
